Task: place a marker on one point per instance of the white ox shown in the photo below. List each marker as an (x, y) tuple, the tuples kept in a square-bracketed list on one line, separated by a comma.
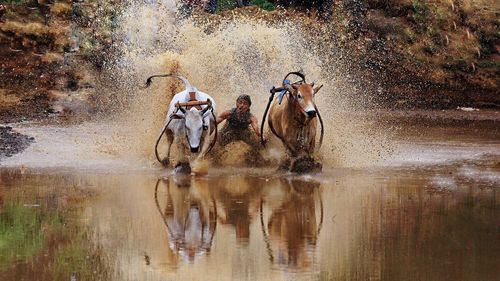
[(194, 125)]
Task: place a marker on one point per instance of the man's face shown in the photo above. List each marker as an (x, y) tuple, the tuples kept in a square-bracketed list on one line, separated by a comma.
[(242, 106)]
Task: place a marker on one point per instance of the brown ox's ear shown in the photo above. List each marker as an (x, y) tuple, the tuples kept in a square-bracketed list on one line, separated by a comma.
[(295, 86), (317, 88)]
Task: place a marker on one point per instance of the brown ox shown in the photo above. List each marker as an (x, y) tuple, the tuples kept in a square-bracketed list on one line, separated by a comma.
[(292, 118)]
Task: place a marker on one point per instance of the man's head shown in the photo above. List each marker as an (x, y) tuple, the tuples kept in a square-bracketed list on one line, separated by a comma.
[(192, 92), (243, 103)]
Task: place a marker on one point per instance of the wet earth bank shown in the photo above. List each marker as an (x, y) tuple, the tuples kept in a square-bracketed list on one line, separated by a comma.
[(12, 142)]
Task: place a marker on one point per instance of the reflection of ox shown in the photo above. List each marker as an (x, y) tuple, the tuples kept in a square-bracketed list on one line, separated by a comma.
[(189, 214), (293, 227), (191, 116), (292, 117)]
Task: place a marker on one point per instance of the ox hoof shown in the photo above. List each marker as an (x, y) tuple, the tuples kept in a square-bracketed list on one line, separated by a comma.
[(165, 162), (304, 165), (182, 168), (284, 166)]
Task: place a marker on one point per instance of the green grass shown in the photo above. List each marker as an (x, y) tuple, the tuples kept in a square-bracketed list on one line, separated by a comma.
[(26, 233), (79, 258), (264, 4), (230, 4), (21, 233)]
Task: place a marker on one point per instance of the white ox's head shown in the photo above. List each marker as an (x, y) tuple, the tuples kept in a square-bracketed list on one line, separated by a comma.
[(194, 122)]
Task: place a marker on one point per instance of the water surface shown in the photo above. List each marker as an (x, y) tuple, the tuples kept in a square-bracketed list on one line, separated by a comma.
[(428, 212)]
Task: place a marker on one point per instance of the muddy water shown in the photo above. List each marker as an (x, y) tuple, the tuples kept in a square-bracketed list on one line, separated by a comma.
[(428, 212)]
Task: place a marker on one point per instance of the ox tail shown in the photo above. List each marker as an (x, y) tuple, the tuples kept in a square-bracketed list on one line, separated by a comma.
[(182, 78), (322, 127), (159, 138)]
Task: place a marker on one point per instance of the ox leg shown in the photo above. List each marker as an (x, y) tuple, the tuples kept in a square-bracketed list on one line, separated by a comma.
[(182, 158), (209, 139), (204, 147), (170, 140), (285, 163)]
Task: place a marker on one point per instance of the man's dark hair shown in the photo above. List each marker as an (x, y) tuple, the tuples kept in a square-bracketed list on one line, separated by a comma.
[(245, 98)]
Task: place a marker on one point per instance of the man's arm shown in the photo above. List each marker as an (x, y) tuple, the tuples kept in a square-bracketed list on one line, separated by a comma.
[(223, 116), (255, 126)]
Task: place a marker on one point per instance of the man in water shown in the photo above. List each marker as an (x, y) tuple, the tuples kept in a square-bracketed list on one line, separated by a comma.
[(238, 120)]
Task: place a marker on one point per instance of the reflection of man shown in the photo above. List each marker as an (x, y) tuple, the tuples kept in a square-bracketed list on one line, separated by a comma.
[(239, 201)]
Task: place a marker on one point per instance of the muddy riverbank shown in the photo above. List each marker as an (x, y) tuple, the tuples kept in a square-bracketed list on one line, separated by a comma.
[(12, 142)]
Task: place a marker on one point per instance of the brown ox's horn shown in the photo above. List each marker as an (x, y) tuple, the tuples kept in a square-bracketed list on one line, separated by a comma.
[(289, 88), (179, 107), (298, 73)]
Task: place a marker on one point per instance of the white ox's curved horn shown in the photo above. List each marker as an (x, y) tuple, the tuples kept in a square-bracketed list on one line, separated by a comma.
[(184, 80)]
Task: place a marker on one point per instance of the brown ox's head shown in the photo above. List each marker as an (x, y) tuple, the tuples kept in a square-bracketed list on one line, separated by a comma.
[(303, 95)]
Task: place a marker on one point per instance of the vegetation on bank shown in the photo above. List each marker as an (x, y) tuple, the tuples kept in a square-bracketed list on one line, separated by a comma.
[(444, 53)]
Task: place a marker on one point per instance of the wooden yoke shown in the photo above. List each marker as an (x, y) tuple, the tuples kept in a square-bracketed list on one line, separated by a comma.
[(194, 103)]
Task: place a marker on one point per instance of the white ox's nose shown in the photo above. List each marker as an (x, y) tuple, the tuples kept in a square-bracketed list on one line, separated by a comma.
[(195, 149)]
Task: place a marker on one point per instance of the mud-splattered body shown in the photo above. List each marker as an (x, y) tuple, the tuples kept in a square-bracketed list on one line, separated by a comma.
[(294, 122)]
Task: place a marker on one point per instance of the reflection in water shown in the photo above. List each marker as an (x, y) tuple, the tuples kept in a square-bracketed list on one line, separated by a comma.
[(401, 224), (238, 199), (189, 215), (293, 225), (39, 237)]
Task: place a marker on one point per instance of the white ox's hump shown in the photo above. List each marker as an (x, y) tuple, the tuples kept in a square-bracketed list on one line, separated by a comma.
[(184, 97)]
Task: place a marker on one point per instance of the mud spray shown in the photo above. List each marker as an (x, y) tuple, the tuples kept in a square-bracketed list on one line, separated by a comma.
[(226, 58)]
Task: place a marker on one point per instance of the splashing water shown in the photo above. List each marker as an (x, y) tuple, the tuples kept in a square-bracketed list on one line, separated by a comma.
[(224, 58)]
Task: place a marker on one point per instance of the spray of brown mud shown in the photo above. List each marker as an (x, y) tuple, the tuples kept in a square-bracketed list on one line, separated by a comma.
[(226, 58)]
